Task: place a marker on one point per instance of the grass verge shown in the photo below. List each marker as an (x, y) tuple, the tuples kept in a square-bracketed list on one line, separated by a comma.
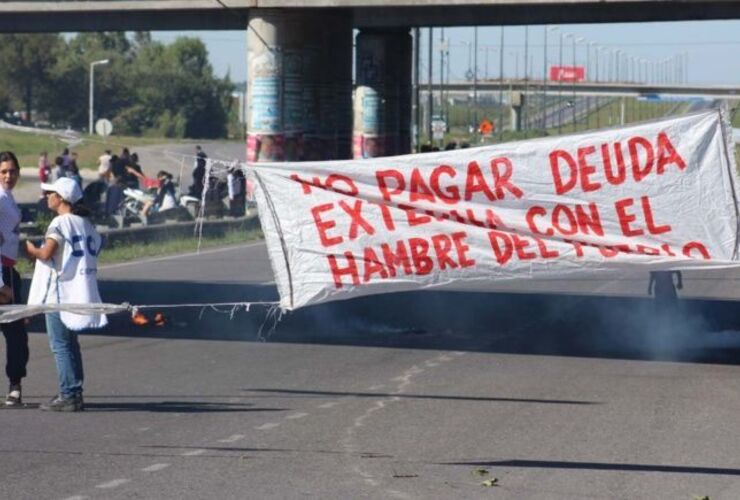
[(136, 251), (27, 146)]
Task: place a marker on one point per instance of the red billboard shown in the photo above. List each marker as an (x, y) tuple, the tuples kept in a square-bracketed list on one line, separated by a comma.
[(567, 73)]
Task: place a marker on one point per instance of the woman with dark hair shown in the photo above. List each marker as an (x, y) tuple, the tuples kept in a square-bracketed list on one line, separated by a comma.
[(16, 337), (66, 270)]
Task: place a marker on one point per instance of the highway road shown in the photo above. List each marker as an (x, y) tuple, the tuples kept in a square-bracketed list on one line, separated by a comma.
[(423, 395)]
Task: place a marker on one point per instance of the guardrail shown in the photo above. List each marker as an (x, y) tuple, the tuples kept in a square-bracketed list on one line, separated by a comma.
[(156, 232)]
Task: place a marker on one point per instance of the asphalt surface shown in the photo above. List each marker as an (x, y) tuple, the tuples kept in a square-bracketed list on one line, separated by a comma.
[(394, 396)]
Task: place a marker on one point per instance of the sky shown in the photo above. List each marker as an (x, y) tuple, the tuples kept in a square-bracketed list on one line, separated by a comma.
[(712, 48)]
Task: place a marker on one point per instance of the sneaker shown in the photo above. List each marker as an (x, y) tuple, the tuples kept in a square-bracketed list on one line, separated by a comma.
[(60, 403), (14, 396)]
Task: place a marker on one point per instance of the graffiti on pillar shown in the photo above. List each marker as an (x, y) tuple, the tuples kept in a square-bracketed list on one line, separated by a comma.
[(264, 93), (371, 111), (264, 147)]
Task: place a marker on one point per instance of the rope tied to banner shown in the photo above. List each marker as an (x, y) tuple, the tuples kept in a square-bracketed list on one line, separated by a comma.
[(10, 313)]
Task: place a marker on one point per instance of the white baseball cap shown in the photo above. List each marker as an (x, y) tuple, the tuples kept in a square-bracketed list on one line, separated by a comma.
[(66, 188)]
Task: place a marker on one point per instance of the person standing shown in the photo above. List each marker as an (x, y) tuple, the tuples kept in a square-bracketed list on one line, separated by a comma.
[(237, 186), (104, 166), (44, 167), (16, 336), (66, 270), (663, 287), (199, 173)]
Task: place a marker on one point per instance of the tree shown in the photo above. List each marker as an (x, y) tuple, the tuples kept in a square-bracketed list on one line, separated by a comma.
[(26, 61), (147, 88)]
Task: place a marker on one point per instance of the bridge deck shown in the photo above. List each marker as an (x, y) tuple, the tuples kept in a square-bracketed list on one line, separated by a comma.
[(95, 15)]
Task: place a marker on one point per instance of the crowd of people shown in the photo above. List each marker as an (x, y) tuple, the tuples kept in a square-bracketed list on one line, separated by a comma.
[(115, 173)]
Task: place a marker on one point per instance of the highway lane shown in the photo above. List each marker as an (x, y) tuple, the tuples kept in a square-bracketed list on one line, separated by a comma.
[(400, 396)]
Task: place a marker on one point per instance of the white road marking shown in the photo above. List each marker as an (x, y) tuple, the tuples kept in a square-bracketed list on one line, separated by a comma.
[(78, 497), (143, 429), (155, 467), (330, 404), (431, 364), (232, 439), (113, 484), (193, 453), (295, 416), (269, 425), (177, 256), (375, 387)]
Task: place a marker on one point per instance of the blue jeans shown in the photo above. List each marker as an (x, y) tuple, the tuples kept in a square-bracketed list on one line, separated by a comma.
[(66, 349)]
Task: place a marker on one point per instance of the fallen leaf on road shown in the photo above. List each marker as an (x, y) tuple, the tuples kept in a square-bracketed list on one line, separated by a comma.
[(699, 497), (490, 482)]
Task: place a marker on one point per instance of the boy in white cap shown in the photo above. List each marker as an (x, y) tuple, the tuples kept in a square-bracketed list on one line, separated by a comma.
[(66, 273)]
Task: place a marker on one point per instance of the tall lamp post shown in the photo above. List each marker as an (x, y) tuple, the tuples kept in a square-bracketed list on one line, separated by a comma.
[(576, 39), (92, 87), (560, 85), (544, 80), (573, 84)]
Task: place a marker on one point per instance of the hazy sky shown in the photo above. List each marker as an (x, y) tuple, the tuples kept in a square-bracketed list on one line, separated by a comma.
[(713, 48)]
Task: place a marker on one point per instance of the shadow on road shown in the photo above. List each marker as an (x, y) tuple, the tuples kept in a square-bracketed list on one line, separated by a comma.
[(176, 407), (376, 395), (547, 464), (702, 331)]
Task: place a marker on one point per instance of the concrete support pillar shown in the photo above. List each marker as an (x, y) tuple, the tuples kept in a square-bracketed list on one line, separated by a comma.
[(382, 104), (299, 85)]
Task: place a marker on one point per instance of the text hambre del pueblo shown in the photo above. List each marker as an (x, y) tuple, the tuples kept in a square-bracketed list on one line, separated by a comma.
[(401, 192)]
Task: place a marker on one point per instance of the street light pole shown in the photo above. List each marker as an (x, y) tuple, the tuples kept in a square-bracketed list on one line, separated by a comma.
[(501, 88), (92, 88), (475, 77), (560, 87), (526, 77), (589, 79), (576, 39), (544, 82)]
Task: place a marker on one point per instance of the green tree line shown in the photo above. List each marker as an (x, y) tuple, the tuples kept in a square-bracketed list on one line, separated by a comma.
[(148, 88)]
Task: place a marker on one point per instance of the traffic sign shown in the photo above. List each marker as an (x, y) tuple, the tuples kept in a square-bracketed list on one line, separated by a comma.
[(103, 127), (486, 127)]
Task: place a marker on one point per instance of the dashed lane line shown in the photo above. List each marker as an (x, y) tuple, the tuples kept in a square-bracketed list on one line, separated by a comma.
[(193, 453), (296, 416), (112, 484), (267, 426), (232, 439), (155, 467), (330, 404)]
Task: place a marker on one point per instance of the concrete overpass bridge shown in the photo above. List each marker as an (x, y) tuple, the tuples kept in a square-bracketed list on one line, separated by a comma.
[(300, 55), (99, 15)]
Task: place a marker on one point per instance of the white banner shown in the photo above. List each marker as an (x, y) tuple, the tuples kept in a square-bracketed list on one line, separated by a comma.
[(654, 196)]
